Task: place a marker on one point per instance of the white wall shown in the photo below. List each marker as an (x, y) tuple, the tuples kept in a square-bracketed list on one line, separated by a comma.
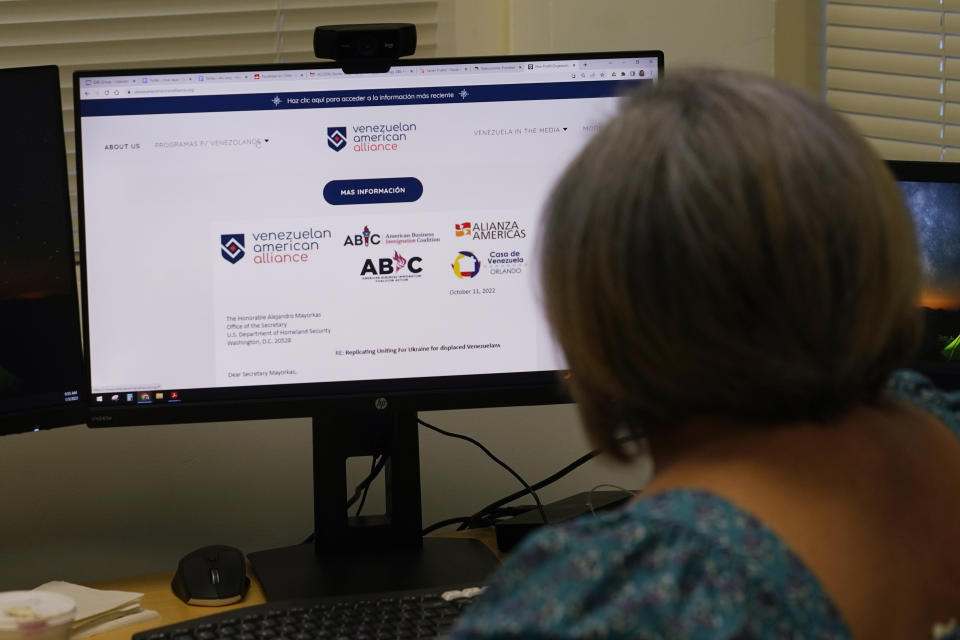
[(86, 505)]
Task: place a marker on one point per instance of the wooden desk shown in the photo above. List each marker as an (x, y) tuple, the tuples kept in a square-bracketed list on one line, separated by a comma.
[(158, 596)]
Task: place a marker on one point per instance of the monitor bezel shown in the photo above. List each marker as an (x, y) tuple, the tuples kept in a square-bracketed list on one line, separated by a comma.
[(945, 376), (51, 414), (404, 394)]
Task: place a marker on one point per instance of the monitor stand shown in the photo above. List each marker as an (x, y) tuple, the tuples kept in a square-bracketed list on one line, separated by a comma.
[(368, 554)]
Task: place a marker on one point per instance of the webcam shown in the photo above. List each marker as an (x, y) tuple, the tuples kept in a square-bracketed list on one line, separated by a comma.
[(365, 48)]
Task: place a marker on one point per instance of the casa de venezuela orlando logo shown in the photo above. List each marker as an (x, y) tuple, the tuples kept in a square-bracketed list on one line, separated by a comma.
[(274, 247)]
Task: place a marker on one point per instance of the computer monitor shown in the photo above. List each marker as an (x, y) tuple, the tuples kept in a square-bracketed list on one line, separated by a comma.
[(932, 193), (41, 362), (293, 240)]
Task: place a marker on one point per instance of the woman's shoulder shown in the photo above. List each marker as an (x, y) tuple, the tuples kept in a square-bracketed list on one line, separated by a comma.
[(678, 564), (917, 389)]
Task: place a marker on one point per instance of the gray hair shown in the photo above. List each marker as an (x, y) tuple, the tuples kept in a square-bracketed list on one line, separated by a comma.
[(727, 246)]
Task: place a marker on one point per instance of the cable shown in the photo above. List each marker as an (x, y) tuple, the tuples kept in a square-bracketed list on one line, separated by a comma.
[(365, 483), (536, 498), (366, 490), (445, 523), (478, 519), (495, 515), (360, 492), (579, 462), (609, 486)]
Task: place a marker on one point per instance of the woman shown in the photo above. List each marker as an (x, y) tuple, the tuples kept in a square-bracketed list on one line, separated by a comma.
[(732, 273)]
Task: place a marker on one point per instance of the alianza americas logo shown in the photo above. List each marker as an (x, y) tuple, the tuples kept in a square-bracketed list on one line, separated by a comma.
[(274, 247), (490, 230), (370, 137)]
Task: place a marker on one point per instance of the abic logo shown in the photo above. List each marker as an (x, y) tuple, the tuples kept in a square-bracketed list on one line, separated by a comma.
[(231, 247), (466, 265), (394, 266), (362, 240), (337, 138)]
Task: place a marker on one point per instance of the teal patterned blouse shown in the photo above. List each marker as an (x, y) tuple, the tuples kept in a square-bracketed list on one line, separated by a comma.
[(680, 564)]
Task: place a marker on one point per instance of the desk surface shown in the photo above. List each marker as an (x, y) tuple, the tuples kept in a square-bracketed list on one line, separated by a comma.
[(158, 596)]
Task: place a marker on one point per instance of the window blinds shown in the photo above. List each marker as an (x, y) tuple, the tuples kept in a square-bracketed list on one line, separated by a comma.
[(893, 67), (108, 34)]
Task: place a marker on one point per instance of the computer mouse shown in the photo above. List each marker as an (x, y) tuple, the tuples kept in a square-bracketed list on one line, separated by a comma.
[(211, 576)]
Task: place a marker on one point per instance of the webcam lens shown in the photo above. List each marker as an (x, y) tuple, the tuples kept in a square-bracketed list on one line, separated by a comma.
[(366, 45)]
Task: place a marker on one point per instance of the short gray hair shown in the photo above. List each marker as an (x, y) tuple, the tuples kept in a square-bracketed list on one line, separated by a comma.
[(727, 246)]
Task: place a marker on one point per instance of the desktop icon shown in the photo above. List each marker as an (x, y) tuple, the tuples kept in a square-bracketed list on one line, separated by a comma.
[(159, 395), (129, 397), (174, 396), (145, 397), (256, 76), (115, 397), (99, 398)]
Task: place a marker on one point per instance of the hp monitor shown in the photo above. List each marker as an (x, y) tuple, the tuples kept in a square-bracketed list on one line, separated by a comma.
[(41, 363), (293, 240)]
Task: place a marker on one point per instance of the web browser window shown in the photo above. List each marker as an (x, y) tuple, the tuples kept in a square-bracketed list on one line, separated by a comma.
[(286, 226)]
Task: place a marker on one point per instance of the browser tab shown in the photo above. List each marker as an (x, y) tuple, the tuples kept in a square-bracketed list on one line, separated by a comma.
[(552, 65)]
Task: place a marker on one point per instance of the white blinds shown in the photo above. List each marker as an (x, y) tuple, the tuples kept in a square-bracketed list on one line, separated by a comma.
[(893, 67), (102, 34)]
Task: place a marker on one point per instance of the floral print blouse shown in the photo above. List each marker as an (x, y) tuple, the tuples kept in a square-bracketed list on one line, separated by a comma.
[(680, 564)]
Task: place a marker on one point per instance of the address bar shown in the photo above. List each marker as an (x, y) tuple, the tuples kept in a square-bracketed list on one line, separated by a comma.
[(165, 90)]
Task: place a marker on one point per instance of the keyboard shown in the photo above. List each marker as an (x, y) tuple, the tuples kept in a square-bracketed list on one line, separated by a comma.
[(403, 615)]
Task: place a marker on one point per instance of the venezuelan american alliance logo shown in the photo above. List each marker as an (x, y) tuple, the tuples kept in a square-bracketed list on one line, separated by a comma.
[(337, 138), (274, 247), (371, 137), (231, 247)]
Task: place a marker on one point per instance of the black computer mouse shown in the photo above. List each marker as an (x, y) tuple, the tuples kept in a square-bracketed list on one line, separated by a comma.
[(211, 577)]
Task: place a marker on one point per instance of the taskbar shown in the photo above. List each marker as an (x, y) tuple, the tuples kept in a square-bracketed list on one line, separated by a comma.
[(127, 398), (120, 398)]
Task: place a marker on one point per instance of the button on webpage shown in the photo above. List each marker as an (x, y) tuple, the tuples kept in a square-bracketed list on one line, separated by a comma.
[(372, 190)]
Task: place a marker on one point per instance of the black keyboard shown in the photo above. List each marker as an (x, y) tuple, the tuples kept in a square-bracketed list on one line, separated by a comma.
[(406, 614)]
